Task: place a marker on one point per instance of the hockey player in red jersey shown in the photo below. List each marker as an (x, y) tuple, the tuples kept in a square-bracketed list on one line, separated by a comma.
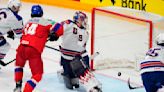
[(74, 57), (35, 35), (11, 24)]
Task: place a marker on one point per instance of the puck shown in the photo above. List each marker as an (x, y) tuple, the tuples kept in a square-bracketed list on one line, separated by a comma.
[(119, 73)]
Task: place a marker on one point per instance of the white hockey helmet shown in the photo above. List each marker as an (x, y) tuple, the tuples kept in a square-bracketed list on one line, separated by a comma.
[(160, 39), (81, 18), (14, 5)]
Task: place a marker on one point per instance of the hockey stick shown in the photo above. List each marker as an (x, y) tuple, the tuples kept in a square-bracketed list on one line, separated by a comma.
[(91, 57), (132, 88), (52, 48), (5, 64), (94, 55)]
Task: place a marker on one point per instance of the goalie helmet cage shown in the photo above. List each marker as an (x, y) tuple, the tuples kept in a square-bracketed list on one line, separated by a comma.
[(122, 36)]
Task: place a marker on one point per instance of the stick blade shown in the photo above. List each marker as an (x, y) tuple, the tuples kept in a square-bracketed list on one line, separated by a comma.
[(130, 87)]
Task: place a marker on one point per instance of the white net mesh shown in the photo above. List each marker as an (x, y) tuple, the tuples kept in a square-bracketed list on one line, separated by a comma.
[(122, 40)]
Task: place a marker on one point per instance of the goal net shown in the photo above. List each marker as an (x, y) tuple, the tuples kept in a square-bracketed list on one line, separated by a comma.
[(122, 36)]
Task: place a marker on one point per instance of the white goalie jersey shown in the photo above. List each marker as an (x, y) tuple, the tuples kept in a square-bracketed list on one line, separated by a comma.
[(74, 40), (10, 21), (154, 60)]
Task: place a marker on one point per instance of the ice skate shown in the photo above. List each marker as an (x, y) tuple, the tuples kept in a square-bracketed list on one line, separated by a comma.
[(18, 87), (75, 82), (96, 89)]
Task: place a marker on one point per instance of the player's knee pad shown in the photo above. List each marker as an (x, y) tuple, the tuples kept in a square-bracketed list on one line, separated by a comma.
[(78, 67)]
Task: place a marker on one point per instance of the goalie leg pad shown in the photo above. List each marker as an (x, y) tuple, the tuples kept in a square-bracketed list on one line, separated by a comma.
[(75, 82), (67, 82), (78, 67), (90, 82), (67, 68)]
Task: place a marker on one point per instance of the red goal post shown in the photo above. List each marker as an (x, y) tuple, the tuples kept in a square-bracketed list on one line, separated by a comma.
[(107, 12)]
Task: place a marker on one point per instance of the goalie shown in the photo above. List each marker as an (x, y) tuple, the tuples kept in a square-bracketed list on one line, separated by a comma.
[(152, 68), (74, 57)]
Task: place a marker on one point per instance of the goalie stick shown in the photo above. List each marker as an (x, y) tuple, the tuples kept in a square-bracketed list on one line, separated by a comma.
[(5, 64), (52, 48), (94, 55), (91, 57), (131, 87)]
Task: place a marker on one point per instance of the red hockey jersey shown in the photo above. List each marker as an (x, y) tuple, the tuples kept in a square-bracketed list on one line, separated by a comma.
[(36, 31)]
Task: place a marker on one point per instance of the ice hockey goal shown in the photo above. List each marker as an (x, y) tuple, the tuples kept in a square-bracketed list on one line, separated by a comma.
[(122, 36)]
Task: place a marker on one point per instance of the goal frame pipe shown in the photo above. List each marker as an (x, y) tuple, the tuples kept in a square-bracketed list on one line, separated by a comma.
[(117, 14)]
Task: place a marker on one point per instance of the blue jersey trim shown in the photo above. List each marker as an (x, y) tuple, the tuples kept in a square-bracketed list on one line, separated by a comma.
[(153, 66), (149, 61), (3, 42), (31, 83), (56, 27), (16, 15), (19, 70)]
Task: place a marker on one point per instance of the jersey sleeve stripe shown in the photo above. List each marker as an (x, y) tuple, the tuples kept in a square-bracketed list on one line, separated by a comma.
[(58, 29)]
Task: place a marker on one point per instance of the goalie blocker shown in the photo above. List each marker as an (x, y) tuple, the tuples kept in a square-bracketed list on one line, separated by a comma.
[(80, 73)]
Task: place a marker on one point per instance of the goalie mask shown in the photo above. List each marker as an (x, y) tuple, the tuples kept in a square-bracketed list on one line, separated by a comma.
[(160, 39), (14, 5), (81, 18)]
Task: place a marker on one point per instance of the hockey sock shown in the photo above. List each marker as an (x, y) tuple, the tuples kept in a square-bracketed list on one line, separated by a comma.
[(31, 84), (18, 74)]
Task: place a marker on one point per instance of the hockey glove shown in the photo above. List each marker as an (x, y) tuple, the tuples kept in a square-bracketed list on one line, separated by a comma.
[(53, 37), (10, 34)]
